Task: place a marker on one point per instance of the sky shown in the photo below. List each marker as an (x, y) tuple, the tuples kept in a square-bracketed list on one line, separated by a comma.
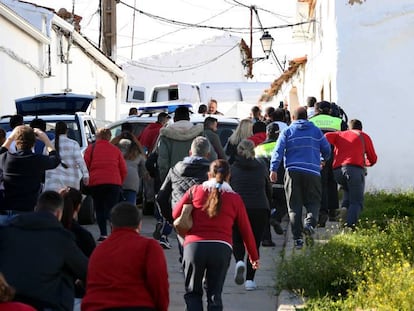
[(153, 36)]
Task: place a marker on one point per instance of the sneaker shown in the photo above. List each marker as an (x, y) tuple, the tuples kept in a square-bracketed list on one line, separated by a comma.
[(276, 227), (102, 238), (157, 231), (164, 242), (298, 243), (308, 230), (268, 243), (239, 272), (250, 285)]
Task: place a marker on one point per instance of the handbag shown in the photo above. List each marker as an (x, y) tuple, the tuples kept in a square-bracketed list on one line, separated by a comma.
[(184, 222)]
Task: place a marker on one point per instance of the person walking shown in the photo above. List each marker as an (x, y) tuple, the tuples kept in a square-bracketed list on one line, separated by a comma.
[(127, 271), (243, 130), (301, 144), (210, 131), (327, 123), (107, 172), (190, 171), (175, 140), (208, 244), (250, 179), (149, 134), (135, 162), (72, 167), (40, 258), (353, 152), (278, 204)]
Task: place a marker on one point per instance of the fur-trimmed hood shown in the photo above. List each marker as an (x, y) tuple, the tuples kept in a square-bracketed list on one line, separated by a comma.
[(184, 132)]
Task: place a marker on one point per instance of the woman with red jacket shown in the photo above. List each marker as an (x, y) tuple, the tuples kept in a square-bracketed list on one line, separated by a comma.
[(107, 171), (208, 244)]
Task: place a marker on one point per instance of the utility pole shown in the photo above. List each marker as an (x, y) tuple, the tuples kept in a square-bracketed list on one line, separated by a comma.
[(108, 28)]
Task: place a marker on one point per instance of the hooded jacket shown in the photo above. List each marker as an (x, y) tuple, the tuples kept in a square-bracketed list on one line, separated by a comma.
[(175, 143), (192, 170), (301, 144), (41, 260), (250, 179)]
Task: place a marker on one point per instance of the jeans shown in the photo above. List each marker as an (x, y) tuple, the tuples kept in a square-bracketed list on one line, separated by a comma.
[(104, 198), (302, 190), (352, 180), (130, 196), (211, 259)]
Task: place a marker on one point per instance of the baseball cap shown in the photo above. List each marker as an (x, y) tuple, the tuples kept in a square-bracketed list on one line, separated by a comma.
[(272, 128)]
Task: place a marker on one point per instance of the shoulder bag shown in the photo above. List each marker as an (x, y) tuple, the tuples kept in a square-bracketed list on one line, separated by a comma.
[(184, 222)]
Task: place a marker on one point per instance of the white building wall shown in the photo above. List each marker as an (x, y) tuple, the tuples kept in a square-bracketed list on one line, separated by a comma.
[(362, 55), (375, 74), (25, 60), (216, 60)]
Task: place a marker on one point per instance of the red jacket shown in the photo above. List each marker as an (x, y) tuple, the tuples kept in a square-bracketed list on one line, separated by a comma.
[(15, 306), (107, 166), (127, 270), (218, 228), (349, 149), (257, 138), (149, 135)]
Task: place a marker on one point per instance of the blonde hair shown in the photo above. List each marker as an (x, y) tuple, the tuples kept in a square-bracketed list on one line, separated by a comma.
[(103, 133), (245, 149), (243, 130)]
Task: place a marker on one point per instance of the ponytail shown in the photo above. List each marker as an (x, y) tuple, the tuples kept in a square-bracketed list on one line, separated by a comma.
[(220, 170)]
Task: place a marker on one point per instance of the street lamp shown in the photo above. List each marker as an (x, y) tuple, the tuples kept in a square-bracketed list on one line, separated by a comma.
[(266, 40)]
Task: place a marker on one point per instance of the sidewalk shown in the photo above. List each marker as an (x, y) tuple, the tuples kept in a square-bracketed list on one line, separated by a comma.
[(235, 297)]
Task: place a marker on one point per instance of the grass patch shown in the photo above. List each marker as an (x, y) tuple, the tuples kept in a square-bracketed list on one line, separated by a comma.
[(370, 268)]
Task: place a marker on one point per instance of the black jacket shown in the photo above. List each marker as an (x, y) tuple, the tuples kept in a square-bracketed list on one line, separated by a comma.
[(23, 173), (183, 175), (40, 259), (250, 179)]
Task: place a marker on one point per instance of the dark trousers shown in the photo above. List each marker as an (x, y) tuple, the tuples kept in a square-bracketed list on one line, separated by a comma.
[(329, 200), (211, 259), (352, 180), (104, 198), (258, 217), (302, 190), (278, 208)]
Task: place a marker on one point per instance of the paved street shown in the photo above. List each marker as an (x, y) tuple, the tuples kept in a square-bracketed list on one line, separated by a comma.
[(235, 298)]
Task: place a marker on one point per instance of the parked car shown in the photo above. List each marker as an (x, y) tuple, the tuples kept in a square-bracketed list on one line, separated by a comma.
[(225, 128), (70, 108)]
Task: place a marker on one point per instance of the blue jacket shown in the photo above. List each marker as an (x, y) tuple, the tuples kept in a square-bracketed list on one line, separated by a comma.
[(301, 144)]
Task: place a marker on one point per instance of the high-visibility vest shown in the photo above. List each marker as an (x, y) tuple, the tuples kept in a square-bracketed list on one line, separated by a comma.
[(326, 122), (264, 150)]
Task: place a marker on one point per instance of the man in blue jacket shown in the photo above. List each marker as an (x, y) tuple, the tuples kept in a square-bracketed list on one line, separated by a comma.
[(304, 149)]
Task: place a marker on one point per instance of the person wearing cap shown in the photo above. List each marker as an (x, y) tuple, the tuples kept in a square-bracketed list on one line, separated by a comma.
[(327, 123), (150, 133), (278, 204)]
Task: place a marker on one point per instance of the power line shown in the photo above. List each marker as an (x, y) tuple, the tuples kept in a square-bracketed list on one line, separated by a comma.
[(181, 68), (178, 30), (231, 29)]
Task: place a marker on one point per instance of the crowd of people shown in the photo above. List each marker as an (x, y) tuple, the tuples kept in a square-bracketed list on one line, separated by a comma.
[(271, 167)]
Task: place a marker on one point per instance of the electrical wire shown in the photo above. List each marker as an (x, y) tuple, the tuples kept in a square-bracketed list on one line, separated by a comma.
[(177, 30), (180, 69), (231, 29)]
